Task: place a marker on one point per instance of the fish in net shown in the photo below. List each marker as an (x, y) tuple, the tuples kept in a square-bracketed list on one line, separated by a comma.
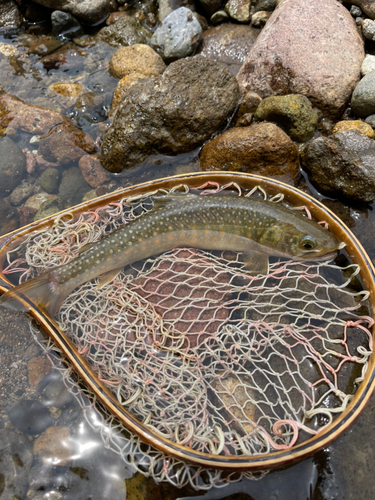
[(203, 353)]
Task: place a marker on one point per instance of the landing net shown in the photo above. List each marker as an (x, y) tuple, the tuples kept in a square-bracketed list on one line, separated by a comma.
[(202, 352)]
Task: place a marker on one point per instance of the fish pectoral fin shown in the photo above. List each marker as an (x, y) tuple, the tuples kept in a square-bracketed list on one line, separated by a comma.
[(106, 278), (85, 248), (256, 262)]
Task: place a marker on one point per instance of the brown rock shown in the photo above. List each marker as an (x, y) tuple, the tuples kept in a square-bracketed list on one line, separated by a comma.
[(8, 217), (9, 14), (121, 88), (92, 171), (247, 108), (45, 46), (363, 127), (262, 149), (114, 17), (65, 144), (368, 6), (26, 215), (137, 58), (35, 201), (53, 446), (38, 368), (32, 119), (309, 48), (66, 93), (228, 44)]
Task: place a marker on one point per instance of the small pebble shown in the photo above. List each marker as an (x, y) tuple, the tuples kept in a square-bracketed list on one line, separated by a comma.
[(368, 29)]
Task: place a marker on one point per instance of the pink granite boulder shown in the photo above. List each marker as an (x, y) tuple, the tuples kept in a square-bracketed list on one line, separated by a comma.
[(309, 48)]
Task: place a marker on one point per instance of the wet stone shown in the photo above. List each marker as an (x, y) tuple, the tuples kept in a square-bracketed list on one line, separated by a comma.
[(65, 25), (53, 446), (49, 180), (30, 417), (38, 368), (12, 165), (92, 171), (343, 164), (239, 10), (363, 98), (47, 476), (178, 35), (73, 186), (368, 64), (370, 120), (21, 193), (259, 19), (124, 32), (87, 11), (44, 47), (136, 59), (9, 218), (265, 5), (70, 59), (262, 149), (15, 462), (65, 93), (151, 118), (363, 127), (55, 393), (50, 207), (293, 113), (228, 44)]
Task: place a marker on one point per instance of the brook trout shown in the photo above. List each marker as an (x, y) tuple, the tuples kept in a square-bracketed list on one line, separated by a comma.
[(257, 228)]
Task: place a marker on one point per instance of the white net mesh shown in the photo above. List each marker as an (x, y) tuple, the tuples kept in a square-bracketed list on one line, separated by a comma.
[(203, 353)]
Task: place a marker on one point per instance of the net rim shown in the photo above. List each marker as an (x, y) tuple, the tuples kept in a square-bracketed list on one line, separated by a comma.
[(194, 180)]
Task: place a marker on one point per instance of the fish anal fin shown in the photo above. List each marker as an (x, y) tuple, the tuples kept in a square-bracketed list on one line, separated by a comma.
[(256, 262), (106, 278)]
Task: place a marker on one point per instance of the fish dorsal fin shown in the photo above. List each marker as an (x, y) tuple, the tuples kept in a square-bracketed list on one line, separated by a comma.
[(161, 201), (256, 262), (106, 278)]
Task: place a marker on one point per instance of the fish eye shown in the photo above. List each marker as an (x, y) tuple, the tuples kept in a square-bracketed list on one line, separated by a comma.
[(308, 243)]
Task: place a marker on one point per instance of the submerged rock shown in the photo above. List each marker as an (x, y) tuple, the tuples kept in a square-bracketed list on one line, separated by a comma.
[(65, 25), (368, 65), (8, 217), (308, 48), (65, 144), (16, 459), (228, 44), (92, 171), (138, 58), (12, 165), (66, 93), (73, 186), (30, 417), (170, 114), (121, 89), (125, 31), (293, 113), (342, 164), (363, 99), (10, 16), (178, 35), (53, 446), (49, 180), (87, 11), (262, 149)]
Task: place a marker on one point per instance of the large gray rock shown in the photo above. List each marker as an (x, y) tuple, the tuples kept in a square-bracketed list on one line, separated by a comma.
[(124, 32), (12, 165), (342, 164), (87, 11), (178, 35), (363, 98), (309, 48), (170, 114), (228, 44)]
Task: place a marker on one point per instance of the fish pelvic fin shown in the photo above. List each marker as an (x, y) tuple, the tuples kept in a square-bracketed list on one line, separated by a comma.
[(40, 290), (256, 262), (108, 277)]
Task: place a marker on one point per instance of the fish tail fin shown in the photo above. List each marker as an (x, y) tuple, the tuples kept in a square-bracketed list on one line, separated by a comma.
[(40, 290)]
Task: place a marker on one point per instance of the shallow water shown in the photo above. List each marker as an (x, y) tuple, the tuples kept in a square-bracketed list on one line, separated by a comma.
[(340, 471)]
